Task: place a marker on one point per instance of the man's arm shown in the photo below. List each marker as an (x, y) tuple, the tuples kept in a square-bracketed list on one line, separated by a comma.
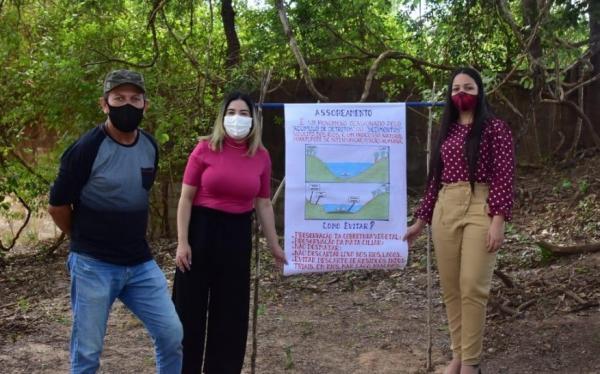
[(61, 215)]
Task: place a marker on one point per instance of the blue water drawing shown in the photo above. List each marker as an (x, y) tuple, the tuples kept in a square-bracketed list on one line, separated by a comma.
[(341, 208), (348, 169)]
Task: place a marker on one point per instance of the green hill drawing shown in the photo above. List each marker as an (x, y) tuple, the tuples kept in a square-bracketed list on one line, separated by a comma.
[(376, 209), (378, 173), (317, 171)]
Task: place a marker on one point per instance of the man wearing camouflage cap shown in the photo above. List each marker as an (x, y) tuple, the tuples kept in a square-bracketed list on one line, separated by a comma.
[(100, 199)]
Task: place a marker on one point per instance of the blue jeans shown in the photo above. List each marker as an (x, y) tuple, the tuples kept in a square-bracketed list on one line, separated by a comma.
[(142, 288)]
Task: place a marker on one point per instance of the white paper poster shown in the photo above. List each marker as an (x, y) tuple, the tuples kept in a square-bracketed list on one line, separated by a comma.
[(345, 189)]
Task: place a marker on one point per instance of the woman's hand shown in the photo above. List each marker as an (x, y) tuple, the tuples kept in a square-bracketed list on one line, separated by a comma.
[(183, 257), (495, 236), (414, 231), (266, 218), (278, 255)]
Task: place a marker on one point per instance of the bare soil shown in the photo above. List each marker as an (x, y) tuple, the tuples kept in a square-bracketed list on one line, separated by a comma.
[(365, 321)]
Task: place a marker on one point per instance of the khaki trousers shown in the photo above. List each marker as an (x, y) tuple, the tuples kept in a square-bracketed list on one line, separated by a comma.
[(459, 228)]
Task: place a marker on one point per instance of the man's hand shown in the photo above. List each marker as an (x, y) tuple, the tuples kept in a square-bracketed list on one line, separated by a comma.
[(62, 215)]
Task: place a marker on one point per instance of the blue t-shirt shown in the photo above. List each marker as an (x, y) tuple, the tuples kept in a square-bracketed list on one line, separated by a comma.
[(108, 185)]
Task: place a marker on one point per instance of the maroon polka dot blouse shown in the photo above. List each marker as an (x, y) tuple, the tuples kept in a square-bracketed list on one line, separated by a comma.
[(495, 167)]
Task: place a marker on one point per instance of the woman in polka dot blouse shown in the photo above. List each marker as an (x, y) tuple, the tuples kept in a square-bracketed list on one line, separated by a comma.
[(468, 198)]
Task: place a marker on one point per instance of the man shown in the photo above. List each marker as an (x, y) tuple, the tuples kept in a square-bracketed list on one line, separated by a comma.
[(100, 199)]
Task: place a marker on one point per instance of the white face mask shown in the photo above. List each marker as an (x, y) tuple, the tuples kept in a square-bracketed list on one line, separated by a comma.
[(237, 127)]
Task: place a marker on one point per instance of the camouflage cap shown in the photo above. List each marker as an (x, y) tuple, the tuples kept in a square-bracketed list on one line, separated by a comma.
[(117, 78)]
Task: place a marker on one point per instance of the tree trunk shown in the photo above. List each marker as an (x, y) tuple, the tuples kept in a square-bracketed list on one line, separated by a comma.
[(233, 43), (530, 14), (579, 124), (592, 94)]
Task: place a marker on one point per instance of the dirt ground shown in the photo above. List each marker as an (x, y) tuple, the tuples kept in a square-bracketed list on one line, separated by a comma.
[(544, 318)]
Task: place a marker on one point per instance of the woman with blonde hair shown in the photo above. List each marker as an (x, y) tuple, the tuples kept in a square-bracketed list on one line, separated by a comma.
[(226, 179)]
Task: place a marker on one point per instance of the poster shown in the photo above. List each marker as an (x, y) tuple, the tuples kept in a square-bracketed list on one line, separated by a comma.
[(345, 192)]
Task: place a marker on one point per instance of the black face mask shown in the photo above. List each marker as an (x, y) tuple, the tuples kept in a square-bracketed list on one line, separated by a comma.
[(126, 118)]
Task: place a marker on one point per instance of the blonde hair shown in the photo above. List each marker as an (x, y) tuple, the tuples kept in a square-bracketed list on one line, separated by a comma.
[(254, 138)]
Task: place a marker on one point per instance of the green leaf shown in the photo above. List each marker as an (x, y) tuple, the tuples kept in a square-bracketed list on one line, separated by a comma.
[(162, 138), (566, 184)]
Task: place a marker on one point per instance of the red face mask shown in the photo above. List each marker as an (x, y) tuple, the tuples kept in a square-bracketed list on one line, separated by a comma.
[(464, 102)]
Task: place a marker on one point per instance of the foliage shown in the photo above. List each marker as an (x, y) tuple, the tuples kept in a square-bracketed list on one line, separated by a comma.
[(54, 55)]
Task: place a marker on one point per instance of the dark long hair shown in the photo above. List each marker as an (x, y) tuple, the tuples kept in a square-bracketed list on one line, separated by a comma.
[(482, 114)]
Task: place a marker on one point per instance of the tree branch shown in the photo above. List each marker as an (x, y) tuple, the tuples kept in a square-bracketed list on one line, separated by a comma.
[(403, 56), (509, 103), (504, 278), (345, 41), (181, 43), (27, 167), (569, 250), (575, 45), (54, 246), (419, 113), (582, 84), (372, 72), (393, 54), (538, 23), (585, 57), (506, 15), (377, 37), (158, 5), (580, 114), (191, 27), (18, 234), (339, 58), (108, 59), (202, 83), (294, 46)]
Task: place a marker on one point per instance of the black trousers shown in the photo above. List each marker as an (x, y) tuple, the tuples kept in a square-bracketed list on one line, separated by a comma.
[(218, 283)]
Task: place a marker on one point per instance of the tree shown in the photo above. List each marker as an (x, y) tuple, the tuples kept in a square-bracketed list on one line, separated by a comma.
[(592, 97), (233, 44), (55, 53)]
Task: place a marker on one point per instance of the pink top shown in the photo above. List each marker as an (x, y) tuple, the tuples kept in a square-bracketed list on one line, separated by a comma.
[(495, 167), (228, 180)]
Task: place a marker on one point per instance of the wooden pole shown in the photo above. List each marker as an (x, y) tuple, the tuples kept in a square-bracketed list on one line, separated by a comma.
[(263, 92), (429, 280)]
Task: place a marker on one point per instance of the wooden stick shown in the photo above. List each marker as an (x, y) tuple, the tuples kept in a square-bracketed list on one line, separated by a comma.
[(255, 297), (583, 307), (278, 192), (504, 308), (429, 281), (263, 93), (504, 278), (569, 250), (526, 305), (575, 297)]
